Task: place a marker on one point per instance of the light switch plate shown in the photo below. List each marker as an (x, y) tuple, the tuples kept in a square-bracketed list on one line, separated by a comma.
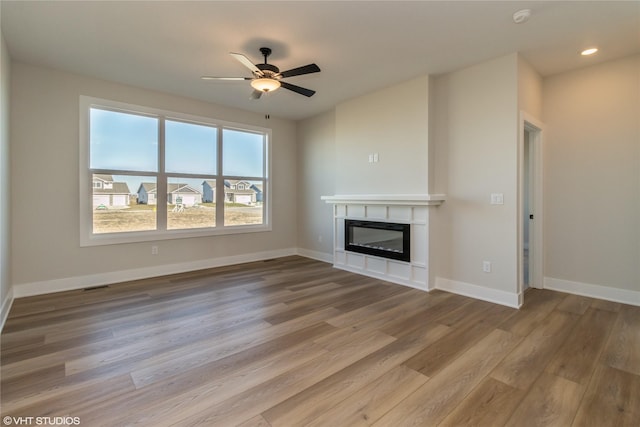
[(497, 198)]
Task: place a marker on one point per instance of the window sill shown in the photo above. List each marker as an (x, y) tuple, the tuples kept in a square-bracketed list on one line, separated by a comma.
[(150, 236)]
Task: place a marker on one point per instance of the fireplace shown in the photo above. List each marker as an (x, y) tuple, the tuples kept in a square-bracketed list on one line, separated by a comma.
[(384, 239), (408, 215)]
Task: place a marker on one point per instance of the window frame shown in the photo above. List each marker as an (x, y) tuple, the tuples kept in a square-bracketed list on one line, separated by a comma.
[(88, 238)]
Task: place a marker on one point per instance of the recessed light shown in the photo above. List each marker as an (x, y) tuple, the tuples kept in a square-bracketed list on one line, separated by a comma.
[(589, 51)]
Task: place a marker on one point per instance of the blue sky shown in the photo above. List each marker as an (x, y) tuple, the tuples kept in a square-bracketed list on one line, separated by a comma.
[(123, 141), (130, 141)]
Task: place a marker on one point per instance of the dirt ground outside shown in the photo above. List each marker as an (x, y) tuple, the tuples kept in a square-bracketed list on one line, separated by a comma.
[(143, 218)]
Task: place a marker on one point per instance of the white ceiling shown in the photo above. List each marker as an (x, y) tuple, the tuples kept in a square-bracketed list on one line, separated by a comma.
[(360, 46)]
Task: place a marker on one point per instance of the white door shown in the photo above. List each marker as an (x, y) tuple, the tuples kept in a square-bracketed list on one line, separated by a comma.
[(243, 198), (100, 199), (189, 200), (119, 200)]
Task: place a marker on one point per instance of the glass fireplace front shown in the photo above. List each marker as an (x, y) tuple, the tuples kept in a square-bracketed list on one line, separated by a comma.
[(384, 239)]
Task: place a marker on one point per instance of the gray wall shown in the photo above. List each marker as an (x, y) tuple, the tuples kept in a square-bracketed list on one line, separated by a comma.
[(592, 174), (45, 195), (591, 168), (316, 178), (393, 122), (475, 135), (5, 213), (464, 124), (456, 134), (334, 148), (529, 89)]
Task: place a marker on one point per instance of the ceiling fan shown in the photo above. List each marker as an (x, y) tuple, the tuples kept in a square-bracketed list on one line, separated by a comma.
[(267, 77)]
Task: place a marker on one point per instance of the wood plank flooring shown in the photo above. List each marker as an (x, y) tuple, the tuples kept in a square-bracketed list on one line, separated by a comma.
[(294, 342)]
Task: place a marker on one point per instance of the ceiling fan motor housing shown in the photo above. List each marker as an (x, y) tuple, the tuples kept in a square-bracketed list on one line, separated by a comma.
[(272, 69)]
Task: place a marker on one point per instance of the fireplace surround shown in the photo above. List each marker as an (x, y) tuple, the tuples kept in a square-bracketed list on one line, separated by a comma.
[(410, 211)]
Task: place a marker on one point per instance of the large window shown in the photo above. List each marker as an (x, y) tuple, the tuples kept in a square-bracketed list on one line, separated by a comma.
[(148, 174)]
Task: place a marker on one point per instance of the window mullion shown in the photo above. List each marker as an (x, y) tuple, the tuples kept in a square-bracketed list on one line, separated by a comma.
[(219, 182), (161, 184)]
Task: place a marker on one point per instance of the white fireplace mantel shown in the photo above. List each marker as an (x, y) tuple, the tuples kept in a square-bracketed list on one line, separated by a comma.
[(387, 199), (410, 209)]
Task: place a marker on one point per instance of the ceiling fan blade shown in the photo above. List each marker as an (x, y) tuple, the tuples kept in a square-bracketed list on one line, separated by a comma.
[(247, 63), (307, 69), (225, 78), (256, 94), (297, 89)]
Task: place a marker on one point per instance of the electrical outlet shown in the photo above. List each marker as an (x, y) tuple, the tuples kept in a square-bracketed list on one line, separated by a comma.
[(486, 266), (154, 250), (319, 238)]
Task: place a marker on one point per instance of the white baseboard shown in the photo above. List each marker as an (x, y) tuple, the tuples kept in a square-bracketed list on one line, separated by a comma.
[(607, 293), (80, 282), (318, 256), (496, 296), (508, 299), (6, 306)]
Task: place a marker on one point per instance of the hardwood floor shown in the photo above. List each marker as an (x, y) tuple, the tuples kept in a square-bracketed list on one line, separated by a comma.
[(294, 342)]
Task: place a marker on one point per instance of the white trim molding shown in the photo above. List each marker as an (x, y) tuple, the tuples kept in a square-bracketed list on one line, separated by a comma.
[(6, 306), (80, 282), (536, 198), (496, 296), (387, 199), (161, 175), (402, 209), (624, 296), (317, 255)]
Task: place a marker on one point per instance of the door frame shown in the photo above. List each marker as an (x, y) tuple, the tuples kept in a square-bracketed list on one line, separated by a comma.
[(536, 260)]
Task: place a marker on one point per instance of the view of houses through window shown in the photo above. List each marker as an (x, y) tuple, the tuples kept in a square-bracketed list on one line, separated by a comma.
[(150, 172)]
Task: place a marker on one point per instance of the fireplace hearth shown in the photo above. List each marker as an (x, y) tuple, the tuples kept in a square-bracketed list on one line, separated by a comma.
[(384, 239)]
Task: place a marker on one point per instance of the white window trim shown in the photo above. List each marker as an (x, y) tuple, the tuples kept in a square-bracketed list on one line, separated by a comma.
[(87, 238)]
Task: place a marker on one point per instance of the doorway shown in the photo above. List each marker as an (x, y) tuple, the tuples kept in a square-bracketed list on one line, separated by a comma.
[(527, 208), (530, 258)]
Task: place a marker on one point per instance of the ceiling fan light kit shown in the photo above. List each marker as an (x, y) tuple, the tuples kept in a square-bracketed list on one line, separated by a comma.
[(267, 77), (265, 84)]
